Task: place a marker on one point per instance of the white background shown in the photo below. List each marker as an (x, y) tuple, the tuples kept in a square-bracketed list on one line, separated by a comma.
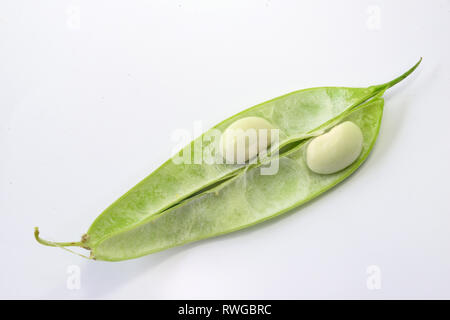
[(91, 91)]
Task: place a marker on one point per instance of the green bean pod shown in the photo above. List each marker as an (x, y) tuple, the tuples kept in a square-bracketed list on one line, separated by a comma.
[(181, 203)]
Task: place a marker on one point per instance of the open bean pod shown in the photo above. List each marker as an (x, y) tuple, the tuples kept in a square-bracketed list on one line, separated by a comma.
[(184, 202)]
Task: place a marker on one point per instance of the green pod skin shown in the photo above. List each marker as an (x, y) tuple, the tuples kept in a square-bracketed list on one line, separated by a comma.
[(249, 199), (158, 212)]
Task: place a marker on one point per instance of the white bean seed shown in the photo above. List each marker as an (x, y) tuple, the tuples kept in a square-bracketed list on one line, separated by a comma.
[(336, 149), (245, 138)]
